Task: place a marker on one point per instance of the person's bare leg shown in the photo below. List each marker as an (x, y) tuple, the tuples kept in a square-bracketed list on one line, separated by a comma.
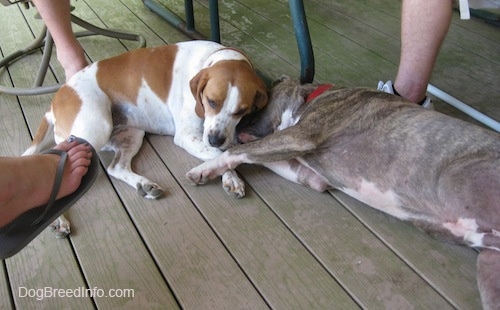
[(26, 182), (56, 15), (424, 25)]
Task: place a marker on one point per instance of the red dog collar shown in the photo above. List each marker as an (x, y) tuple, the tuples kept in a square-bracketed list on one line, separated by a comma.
[(318, 91)]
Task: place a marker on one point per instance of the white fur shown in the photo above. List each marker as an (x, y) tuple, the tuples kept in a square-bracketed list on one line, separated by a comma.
[(462, 227), (282, 168), (96, 130), (467, 228), (223, 55), (224, 121), (150, 113), (287, 120), (386, 201)]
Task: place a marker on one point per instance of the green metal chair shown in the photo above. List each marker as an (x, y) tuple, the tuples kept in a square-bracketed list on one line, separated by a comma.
[(44, 40)]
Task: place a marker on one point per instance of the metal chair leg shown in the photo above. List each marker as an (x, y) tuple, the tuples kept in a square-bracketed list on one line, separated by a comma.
[(303, 39), (44, 39)]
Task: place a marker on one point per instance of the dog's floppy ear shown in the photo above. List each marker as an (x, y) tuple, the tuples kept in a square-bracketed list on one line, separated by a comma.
[(261, 99), (261, 96), (305, 90), (282, 78), (197, 84)]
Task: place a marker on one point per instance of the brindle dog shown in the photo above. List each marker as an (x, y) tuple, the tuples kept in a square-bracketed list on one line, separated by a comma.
[(437, 172)]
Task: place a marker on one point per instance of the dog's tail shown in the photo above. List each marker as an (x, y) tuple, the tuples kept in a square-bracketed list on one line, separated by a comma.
[(44, 137)]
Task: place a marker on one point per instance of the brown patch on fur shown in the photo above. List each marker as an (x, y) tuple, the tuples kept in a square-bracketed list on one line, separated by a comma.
[(212, 84), (40, 133), (120, 77), (65, 106)]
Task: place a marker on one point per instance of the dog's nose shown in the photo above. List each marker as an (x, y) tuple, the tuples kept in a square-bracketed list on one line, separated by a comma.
[(245, 137), (216, 140)]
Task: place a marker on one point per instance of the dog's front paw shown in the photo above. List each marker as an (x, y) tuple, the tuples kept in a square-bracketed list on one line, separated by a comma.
[(233, 185), (61, 227), (196, 176), (150, 190)]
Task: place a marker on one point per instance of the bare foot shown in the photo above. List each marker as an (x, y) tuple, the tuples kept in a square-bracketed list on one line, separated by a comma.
[(26, 182)]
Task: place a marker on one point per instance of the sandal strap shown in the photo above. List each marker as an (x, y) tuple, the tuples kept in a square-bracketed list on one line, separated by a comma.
[(57, 182)]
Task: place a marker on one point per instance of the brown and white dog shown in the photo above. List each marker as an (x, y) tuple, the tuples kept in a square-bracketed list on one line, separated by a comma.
[(436, 172), (196, 91)]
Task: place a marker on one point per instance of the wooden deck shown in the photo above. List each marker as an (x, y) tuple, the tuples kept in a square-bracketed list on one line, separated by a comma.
[(283, 246)]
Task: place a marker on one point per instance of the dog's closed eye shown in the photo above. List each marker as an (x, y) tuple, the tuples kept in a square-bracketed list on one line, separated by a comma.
[(212, 103)]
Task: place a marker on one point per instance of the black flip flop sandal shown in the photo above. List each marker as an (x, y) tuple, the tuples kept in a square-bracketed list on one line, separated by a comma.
[(18, 233)]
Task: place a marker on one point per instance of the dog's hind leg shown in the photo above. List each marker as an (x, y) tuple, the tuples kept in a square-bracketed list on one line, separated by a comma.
[(294, 171), (44, 137), (125, 142), (488, 278)]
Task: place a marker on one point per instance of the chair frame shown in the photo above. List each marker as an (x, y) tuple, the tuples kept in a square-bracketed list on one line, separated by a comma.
[(44, 40)]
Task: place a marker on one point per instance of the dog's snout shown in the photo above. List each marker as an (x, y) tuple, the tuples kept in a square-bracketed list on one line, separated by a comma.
[(216, 140), (245, 137)]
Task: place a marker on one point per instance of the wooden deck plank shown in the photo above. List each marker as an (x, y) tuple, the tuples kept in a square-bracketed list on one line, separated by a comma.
[(46, 263), (153, 27), (258, 241), (336, 44), (450, 269), (148, 285), (111, 252), (27, 264), (467, 61), (189, 255), (18, 35), (12, 126), (234, 291), (94, 45), (5, 295), (266, 60), (282, 246), (276, 39), (121, 262), (364, 266)]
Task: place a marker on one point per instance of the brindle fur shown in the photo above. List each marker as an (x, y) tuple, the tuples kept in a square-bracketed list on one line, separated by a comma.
[(445, 172)]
